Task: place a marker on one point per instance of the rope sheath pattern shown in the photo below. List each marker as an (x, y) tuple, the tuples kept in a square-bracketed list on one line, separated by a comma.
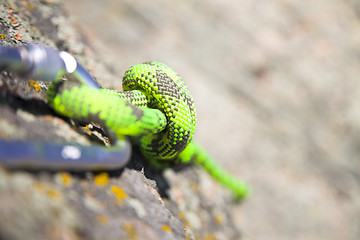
[(165, 91), (155, 107)]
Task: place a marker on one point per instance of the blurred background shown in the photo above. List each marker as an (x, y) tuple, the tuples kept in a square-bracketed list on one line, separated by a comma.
[(277, 93)]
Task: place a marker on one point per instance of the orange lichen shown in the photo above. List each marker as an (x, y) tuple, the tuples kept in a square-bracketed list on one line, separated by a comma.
[(119, 194), (35, 85), (18, 36), (65, 178), (15, 23), (101, 179), (166, 228), (2, 36), (130, 230), (102, 219)]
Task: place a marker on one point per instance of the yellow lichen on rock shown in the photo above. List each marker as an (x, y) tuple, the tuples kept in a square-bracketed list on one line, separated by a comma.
[(101, 179), (119, 193)]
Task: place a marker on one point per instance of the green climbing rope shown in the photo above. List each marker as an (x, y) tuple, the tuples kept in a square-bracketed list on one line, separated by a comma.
[(155, 107)]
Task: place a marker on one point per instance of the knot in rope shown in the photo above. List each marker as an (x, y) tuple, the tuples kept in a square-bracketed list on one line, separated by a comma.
[(165, 91)]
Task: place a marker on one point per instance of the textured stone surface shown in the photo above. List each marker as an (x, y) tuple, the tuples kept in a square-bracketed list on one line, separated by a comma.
[(277, 92), (122, 204)]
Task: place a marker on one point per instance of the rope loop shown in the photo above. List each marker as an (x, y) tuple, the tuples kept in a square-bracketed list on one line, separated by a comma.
[(165, 91)]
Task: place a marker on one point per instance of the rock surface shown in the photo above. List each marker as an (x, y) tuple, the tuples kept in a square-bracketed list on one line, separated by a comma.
[(277, 94), (122, 204)]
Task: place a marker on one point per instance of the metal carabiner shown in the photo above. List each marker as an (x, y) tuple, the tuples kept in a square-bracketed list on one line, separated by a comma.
[(39, 62), (35, 61)]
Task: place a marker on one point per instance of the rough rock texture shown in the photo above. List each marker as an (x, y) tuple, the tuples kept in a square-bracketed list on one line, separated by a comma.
[(277, 94), (123, 204), (276, 85)]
